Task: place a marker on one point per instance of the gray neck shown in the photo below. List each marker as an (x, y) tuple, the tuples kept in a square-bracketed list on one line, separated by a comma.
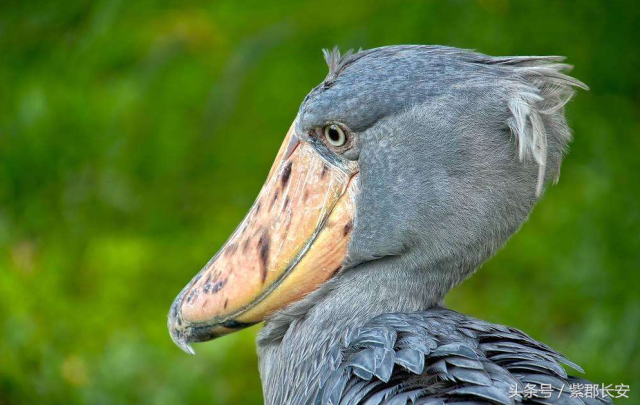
[(299, 345)]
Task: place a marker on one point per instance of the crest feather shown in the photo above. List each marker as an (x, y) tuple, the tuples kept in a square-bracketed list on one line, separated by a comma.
[(543, 92)]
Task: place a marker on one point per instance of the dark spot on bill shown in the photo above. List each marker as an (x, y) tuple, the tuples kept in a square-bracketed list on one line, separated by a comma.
[(347, 228), (264, 253), (212, 288), (275, 198), (286, 174), (324, 170)]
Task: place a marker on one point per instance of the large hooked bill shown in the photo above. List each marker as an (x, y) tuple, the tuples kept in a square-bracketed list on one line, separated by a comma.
[(293, 239)]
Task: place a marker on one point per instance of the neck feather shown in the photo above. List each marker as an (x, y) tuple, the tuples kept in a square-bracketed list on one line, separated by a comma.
[(298, 344)]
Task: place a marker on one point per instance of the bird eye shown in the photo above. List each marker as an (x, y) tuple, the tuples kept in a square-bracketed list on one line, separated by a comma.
[(335, 135)]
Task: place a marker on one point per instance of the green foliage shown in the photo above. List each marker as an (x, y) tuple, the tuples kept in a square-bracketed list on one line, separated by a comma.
[(134, 136)]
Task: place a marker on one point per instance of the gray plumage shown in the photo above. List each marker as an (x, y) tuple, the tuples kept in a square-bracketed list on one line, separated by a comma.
[(440, 356), (436, 356), (454, 149)]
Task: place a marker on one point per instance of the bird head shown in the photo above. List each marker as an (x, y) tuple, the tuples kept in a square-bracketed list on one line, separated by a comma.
[(418, 156)]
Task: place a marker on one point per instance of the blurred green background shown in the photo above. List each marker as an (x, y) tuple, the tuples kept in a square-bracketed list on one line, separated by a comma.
[(134, 135)]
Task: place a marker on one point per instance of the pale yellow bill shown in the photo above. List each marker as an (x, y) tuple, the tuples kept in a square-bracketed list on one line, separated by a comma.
[(293, 239)]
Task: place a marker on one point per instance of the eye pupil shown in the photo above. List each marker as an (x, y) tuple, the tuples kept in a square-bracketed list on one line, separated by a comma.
[(334, 135)]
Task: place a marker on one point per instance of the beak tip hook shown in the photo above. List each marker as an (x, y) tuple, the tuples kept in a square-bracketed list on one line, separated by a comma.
[(187, 348)]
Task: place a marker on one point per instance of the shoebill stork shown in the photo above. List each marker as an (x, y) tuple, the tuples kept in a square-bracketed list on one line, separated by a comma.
[(403, 171)]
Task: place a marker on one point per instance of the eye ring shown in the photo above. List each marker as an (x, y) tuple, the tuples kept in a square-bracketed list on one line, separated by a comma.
[(335, 135)]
